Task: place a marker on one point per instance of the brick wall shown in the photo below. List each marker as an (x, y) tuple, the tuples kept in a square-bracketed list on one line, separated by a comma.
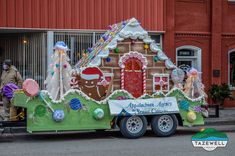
[(125, 47)]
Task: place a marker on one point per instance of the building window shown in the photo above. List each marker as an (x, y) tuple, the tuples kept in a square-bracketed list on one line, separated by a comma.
[(188, 57), (232, 69), (161, 82)]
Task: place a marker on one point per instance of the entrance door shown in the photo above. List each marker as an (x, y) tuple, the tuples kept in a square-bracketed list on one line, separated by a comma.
[(188, 57), (133, 77)]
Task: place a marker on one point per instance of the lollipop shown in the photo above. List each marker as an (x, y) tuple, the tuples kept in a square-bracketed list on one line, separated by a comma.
[(8, 90), (30, 87)]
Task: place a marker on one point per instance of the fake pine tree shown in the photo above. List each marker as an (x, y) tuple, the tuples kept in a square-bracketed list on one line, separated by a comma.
[(58, 79)]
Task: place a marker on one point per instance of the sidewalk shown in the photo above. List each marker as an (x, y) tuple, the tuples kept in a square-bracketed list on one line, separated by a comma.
[(226, 117)]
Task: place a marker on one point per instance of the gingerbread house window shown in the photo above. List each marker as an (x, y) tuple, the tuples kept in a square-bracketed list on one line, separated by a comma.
[(161, 82)]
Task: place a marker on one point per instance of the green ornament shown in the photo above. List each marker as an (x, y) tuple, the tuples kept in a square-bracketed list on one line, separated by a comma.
[(116, 50), (98, 114), (155, 59), (40, 110)]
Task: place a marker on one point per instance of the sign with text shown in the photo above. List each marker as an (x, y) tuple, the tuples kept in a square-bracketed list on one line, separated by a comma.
[(143, 106)]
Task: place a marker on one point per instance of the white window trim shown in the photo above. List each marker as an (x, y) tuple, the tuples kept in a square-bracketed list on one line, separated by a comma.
[(198, 57), (229, 52)]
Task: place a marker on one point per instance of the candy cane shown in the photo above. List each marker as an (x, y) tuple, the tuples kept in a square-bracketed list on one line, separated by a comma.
[(144, 80), (122, 78)]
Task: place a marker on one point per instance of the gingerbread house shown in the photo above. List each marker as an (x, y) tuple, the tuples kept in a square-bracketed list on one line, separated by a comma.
[(137, 63)]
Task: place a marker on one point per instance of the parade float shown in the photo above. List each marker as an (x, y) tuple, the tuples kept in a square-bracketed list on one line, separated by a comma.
[(125, 80)]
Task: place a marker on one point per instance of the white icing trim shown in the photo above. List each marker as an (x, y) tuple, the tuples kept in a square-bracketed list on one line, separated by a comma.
[(105, 101), (131, 30), (133, 54), (169, 64), (90, 77)]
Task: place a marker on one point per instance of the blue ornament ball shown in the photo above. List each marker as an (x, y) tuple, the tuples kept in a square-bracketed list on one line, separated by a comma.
[(58, 115), (57, 65), (108, 59), (75, 104)]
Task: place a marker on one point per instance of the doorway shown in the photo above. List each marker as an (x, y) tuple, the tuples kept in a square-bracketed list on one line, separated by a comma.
[(188, 57), (133, 73), (133, 77)]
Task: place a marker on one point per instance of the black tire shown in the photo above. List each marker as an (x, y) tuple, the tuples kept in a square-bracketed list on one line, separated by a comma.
[(164, 125), (133, 127)]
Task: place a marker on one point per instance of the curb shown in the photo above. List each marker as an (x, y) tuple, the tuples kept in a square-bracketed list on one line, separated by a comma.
[(218, 123)]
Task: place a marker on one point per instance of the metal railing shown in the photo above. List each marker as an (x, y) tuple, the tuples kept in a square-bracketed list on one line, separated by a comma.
[(28, 51)]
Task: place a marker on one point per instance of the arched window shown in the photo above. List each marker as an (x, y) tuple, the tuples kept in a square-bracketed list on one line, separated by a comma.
[(188, 56), (232, 68)]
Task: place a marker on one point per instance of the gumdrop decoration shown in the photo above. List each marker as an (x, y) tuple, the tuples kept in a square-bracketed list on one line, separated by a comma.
[(89, 49), (146, 46), (75, 104), (105, 37), (156, 58), (184, 105), (40, 110), (58, 115), (98, 113), (116, 50), (108, 59)]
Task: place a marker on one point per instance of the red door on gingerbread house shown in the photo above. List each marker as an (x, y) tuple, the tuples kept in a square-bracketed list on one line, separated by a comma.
[(133, 76)]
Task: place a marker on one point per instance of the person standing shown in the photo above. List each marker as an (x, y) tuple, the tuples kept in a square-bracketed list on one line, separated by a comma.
[(9, 75)]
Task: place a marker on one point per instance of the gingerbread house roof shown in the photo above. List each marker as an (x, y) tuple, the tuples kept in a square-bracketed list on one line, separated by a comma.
[(130, 28)]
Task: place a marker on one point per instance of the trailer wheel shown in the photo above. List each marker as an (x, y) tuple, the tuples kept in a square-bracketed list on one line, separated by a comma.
[(164, 125), (133, 127)]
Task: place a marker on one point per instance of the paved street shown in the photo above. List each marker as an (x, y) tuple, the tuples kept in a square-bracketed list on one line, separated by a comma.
[(110, 144)]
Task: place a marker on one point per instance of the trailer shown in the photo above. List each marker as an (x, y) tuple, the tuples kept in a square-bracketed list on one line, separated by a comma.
[(124, 81)]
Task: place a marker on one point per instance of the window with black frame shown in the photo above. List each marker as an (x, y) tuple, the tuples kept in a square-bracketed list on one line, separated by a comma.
[(232, 69)]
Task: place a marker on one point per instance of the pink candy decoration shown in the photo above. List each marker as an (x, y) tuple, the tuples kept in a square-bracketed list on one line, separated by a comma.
[(30, 87)]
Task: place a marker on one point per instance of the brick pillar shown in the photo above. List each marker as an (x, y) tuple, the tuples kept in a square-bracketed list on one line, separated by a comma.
[(169, 26), (216, 28)]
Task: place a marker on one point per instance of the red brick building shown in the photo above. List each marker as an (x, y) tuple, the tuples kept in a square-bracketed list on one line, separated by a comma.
[(198, 33)]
